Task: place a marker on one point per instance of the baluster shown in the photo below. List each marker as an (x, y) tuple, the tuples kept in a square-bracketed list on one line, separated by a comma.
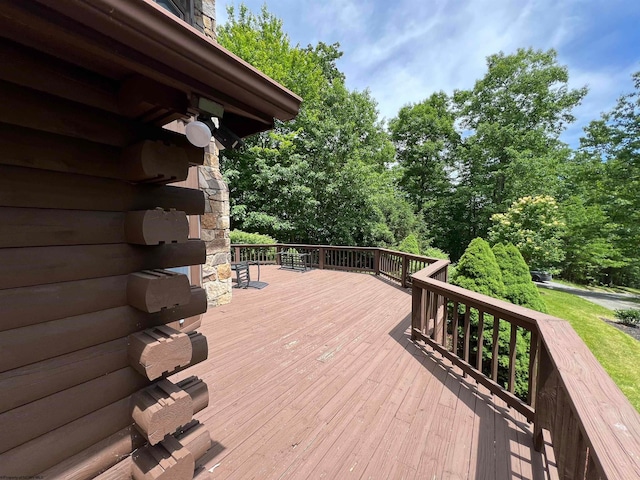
[(534, 348), (467, 332), (416, 309), (494, 349), (512, 358), (445, 317), (454, 328), (480, 338)]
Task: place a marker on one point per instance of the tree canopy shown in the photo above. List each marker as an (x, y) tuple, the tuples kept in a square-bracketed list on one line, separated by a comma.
[(484, 162)]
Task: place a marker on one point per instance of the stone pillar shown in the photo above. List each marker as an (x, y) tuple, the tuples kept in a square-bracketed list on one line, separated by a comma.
[(204, 13), (214, 230)]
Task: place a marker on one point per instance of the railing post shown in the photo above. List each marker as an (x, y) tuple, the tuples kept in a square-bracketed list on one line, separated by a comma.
[(236, 251), (376, 262), (416, 310), (546, 396), (405, 263), (278, 256), (321, 258)]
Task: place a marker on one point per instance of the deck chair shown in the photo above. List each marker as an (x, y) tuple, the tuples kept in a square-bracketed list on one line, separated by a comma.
[(243, 276)]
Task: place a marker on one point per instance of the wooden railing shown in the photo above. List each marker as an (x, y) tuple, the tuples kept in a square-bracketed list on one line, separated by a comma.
[(395, 266), (575, 407)]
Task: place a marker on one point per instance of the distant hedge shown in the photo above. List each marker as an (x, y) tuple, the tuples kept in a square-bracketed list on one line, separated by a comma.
[(238, 236)]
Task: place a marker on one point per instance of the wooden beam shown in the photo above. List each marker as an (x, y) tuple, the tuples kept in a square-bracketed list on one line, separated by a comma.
[(150, 101), (160, 161), (160, 409), (79, 192), (157, 161), (168, 460), (34, 227), (23, 267), (41, 303), (48, 450), (194, 437), (99, 457), (159, 350), (154, 227), (37, 418), (37, 380), (155, 290), (22, 346)]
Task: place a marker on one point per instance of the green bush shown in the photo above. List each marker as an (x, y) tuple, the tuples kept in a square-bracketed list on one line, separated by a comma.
[(518, 287), (478, 270), (410, 245), (629, 317), (240, 237), (434, 252)]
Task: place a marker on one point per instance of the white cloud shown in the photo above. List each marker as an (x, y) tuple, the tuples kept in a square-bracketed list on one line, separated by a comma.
[(407, 49)]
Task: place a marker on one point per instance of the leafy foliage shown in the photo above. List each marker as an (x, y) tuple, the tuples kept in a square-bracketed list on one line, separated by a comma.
[(535, 226), (321, 178), (478, 270), (410, 245), (629, 317), (518, 287), (240, 237)]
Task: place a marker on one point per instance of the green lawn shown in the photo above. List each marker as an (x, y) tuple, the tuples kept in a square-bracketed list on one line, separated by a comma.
[(616, 351)]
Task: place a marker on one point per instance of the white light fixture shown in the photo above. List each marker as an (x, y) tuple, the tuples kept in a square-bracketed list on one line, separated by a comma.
[(198, 133)]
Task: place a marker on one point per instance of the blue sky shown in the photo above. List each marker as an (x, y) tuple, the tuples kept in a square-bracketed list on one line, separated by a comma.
[(404, 50)]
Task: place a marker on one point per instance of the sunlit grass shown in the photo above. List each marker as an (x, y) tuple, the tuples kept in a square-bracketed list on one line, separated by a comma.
[(616, 351)]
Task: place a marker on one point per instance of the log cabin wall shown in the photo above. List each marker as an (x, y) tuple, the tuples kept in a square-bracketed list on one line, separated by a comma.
[(89, 229), (91, 222)]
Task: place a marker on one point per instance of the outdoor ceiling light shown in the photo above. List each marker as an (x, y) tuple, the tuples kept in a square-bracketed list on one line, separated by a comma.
[(200, 131)]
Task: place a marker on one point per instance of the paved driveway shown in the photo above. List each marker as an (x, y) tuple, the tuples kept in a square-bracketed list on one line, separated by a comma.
[(611, 301)]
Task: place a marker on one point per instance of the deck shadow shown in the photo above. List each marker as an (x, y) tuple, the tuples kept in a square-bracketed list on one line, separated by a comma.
[(513, 442)]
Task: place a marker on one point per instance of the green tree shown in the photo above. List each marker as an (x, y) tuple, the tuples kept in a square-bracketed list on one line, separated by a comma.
[(515, 115), (518, 287), (321, 177), (410, 245), (614, 142), (426, 139), (535, 226)]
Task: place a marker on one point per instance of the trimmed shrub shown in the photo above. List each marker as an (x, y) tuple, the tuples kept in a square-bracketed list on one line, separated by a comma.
[(518, 287), (434, 252), (410, 245), (629, 317), (478, 270), (238, 236)]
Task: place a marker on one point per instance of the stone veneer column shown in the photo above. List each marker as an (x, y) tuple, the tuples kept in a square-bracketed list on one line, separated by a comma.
[(214, 230), (204, 12)]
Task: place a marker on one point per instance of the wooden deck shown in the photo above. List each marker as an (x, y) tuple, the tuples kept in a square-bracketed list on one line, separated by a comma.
[(315, 377)]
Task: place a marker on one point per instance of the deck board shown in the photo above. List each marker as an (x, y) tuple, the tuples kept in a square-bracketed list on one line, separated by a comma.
[(315, 376)]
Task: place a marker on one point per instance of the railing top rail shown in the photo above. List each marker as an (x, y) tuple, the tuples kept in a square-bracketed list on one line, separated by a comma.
[(409, 256), (611, 425)]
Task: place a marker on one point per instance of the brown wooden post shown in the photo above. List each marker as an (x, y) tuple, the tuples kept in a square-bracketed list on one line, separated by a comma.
[(321, 258), (404, 271), (546, 394), (278, 256), (416, 309), (376, 262), (236, 254)]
